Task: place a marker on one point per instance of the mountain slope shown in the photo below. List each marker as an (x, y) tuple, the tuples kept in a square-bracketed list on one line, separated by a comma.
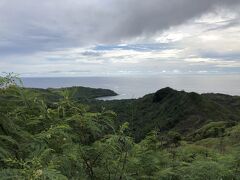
[(168, 109), (62, 139)]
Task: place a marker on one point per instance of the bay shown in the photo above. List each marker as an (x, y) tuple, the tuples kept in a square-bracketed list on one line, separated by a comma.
[(135, 87)]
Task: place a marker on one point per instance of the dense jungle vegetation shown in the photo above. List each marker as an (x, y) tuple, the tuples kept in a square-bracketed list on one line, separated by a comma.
[(67, 134)]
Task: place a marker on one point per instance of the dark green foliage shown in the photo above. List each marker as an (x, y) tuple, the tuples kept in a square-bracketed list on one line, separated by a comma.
[(168, 109), (50, 134), (163, 93), (84, 93)]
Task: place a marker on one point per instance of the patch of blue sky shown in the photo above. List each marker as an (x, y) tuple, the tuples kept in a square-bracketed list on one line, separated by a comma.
[(135, 47), (227, 56)]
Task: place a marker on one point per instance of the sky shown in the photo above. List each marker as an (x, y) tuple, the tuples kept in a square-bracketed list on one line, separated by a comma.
[(58, 38)]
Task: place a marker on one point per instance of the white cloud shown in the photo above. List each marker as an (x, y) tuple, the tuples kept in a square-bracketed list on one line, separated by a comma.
[(207, 44)]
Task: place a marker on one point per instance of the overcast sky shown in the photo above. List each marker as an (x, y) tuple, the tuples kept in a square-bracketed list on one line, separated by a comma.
[(119, 37)]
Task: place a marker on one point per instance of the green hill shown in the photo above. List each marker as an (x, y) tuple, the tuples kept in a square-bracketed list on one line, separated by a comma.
[(78, 93), (168, 109), (68, 134)]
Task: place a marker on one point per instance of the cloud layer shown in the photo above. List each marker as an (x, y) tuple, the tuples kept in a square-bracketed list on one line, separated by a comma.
[(37, 33)]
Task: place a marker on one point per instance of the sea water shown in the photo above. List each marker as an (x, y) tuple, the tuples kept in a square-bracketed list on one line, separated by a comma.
[(135, 87)]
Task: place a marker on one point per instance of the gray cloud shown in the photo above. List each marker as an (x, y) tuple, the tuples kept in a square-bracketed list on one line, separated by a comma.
[(28, 26), (91, 53)]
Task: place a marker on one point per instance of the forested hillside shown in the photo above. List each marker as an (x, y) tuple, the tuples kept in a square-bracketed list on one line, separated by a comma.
[(67, 134), (168, 109)]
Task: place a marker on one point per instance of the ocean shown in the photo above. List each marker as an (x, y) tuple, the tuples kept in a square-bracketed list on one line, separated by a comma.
[(135, 87)]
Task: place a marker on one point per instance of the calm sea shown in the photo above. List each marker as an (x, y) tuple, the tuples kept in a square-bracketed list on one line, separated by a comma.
[(134, 87)]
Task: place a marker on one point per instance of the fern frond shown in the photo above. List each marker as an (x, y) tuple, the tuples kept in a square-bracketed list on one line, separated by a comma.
[(11, 174)]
